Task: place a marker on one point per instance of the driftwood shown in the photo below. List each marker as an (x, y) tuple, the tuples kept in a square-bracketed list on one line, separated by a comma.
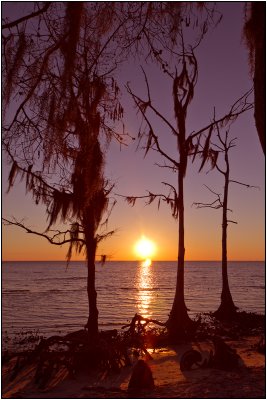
[(223, 357), (140, 335), (136, 323)]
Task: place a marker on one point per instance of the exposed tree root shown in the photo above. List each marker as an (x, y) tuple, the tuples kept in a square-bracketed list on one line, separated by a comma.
[(111, 350), (76, 351), (140, 335)]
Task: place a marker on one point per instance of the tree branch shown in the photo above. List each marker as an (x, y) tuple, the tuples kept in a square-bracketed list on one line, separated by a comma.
[(232, 114), (209, 205), (104, 236), (39, 78), (29, 172), (138, 103), (148, 104), (244, 184), (173, 168), (27, 17), (51, 239)]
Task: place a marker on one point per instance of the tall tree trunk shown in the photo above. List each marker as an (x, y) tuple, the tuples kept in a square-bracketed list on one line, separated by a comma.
[(259, 23), (227, 308), (91, 245), (179, 323)]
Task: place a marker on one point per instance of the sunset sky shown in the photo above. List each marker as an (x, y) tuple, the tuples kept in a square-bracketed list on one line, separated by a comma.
[(223, 78)]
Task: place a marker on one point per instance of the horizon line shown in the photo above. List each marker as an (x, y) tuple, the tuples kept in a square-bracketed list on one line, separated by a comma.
[(132, 261)]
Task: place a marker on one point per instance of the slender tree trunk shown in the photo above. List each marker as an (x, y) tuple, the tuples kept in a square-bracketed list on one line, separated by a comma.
[(179, 323), (227, 308), (91, 245)]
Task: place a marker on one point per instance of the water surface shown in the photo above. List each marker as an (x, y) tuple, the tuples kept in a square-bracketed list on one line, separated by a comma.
[(51, 298)]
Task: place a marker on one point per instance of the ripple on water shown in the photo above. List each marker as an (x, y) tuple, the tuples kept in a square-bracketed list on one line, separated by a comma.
[(48, 297)]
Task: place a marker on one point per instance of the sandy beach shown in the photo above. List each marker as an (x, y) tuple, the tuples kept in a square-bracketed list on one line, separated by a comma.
[(246, 381)]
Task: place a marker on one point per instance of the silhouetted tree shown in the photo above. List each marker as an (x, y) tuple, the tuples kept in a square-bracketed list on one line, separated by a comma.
[(227, 308), (58, 69), (255, 35), (57, 62), (61, 106), (183, 76)]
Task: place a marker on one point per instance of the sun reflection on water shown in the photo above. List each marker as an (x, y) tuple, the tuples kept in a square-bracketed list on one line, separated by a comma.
[(144, 284), (146, 263)]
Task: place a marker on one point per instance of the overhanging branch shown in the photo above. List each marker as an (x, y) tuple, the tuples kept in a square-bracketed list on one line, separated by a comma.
[(53, 239)]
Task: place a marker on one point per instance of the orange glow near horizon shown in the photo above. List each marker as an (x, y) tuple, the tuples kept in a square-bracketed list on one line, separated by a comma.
[(18, 246), (135, 174)]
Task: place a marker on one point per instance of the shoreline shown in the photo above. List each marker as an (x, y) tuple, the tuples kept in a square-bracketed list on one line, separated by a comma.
[(246, 381)]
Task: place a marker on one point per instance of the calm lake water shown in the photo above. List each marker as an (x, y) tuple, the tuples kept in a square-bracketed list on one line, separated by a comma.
[(51, 298)]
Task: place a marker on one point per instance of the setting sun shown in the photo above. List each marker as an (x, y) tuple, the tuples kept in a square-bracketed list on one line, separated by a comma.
[(144, 248)]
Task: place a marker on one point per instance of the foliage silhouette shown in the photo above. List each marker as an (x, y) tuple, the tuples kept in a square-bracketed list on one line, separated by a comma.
[(57, 76)]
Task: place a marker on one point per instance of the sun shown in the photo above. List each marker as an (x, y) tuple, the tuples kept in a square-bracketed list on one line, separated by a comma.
[(144, 248)]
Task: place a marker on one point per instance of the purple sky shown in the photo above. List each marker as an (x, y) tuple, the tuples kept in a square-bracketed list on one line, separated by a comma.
[(223, 77)]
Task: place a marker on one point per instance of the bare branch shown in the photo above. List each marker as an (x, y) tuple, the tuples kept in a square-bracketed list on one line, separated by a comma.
[(216, 204), (171, 186), (173, 168), (27, 17), (209, 205), (141, 105), (236, 109), (244, 184), (212, 191), (139, 100), (220, 170), (147, 85), (55, 239)]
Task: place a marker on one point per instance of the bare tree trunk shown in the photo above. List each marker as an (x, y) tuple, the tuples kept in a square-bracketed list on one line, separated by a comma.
[(227, 308), (179, 322), (91, 245)]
